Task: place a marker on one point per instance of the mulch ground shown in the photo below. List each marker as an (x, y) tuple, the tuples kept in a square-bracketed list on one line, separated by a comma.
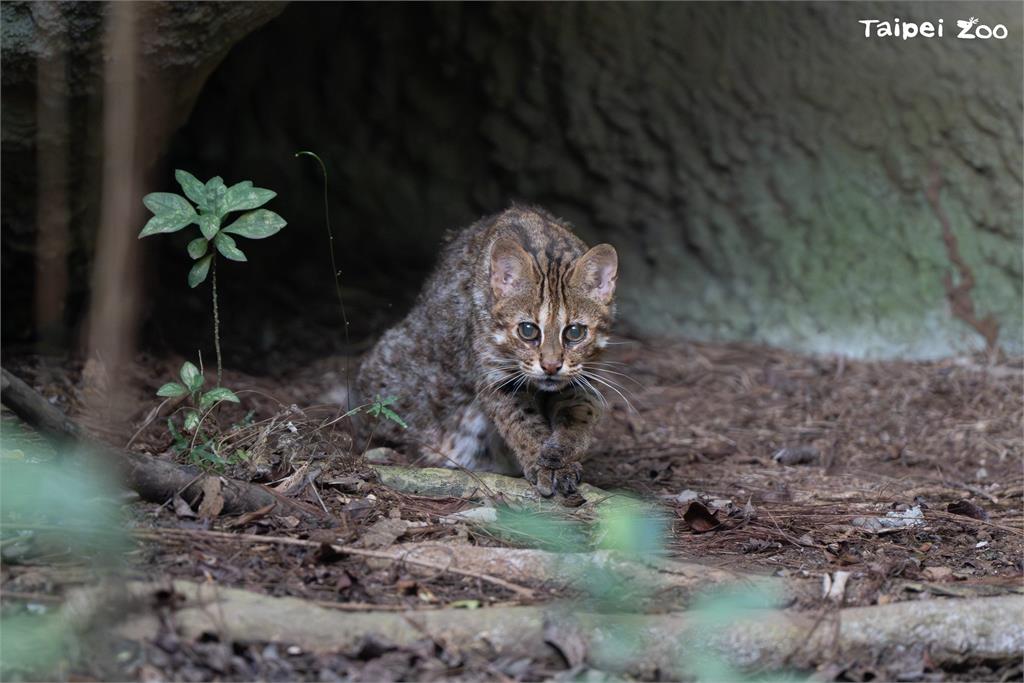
[(766, 461)]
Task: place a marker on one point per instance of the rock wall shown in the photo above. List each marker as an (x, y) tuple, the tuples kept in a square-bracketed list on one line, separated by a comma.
[(763, 169)]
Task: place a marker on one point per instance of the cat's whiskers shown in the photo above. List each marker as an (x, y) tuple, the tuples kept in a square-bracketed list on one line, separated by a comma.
[(505, 378), (614, 386), (585, 384), (522, 380), (620, 374)]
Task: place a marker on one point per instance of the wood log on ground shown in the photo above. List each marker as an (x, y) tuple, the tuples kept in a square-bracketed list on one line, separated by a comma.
[(668, 580), (667, 644), (439, 482), (153, 479)]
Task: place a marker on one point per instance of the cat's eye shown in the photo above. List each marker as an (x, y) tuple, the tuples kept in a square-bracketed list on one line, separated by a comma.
[(574, 333), (528, 331)]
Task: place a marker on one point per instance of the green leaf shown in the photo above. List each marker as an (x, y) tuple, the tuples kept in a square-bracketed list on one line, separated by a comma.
[(191, 421), (257, 224), (214, 191), (168, 222), (244, 196), (214, 396), (227, 246), (199, 271), (209, 224), (197, 247), (191, 376), (464, 604), (394, 417), (171, 390), (161, 203), (193, 187)]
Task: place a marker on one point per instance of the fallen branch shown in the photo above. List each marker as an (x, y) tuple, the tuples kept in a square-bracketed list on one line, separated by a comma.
[(439, 482), (666, 581), (351, 550), (668, 644), (153, 479)]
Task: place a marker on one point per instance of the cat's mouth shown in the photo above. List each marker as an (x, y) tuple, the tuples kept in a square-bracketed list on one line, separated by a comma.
[(550, 383)]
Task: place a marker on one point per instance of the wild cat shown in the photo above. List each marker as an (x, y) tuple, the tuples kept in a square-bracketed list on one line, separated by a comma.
[(490, 366)]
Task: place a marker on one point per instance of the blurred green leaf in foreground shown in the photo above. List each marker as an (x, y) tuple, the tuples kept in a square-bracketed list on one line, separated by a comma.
[(53, 512)]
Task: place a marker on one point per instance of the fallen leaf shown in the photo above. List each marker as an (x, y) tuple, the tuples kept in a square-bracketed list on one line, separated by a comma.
[(213, 498), (464, 604), (937, 573), (250, 517), (893, 521), (834, 586), (381, 456), (182, 509), (756, 545), (291, 484), (347, 484), (967, 509), (289, 521), (806, 540), (700, 518), (800, 455), (687, 496), (383, 533)]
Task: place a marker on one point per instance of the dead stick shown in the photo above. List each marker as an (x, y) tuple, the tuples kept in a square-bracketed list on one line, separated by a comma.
[(154, 479), (359, 552)]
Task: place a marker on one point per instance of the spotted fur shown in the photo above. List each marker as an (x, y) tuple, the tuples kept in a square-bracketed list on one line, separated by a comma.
[(474, 391)]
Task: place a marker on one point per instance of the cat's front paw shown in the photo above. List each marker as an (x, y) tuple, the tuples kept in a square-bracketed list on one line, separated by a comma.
[(547, 480)]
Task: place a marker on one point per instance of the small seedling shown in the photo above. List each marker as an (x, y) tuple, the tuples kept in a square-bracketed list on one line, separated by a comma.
[(380, 408), (200, 448), (214, 201)]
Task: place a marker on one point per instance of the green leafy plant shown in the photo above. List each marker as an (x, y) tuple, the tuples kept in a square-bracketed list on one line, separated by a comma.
[(213, 201), (200, 446), (379, 408)]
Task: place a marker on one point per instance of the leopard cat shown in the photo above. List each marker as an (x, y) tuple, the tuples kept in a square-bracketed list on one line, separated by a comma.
[(490, 366)]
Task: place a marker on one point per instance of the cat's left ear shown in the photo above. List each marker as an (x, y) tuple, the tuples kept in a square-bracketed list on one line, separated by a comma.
[(596, 272), (510, 268)]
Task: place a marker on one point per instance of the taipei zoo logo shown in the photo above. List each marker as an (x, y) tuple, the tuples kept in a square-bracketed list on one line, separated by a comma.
[(967, 29)]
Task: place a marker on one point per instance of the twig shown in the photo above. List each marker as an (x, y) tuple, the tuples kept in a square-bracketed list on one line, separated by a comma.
[(360, 606), (336, 277)]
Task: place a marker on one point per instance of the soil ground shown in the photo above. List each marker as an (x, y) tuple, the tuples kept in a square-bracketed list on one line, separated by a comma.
[(795, 457)]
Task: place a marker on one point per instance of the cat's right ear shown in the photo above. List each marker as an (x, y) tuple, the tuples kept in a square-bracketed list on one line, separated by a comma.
[(510, 268)]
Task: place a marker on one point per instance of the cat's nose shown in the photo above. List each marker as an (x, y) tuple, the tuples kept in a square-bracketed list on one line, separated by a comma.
[(551, 366)]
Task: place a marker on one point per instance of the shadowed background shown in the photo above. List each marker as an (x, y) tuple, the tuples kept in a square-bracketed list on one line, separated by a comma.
[(765, 172)]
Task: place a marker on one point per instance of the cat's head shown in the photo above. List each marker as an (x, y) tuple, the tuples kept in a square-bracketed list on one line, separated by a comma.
[(552, 314)]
